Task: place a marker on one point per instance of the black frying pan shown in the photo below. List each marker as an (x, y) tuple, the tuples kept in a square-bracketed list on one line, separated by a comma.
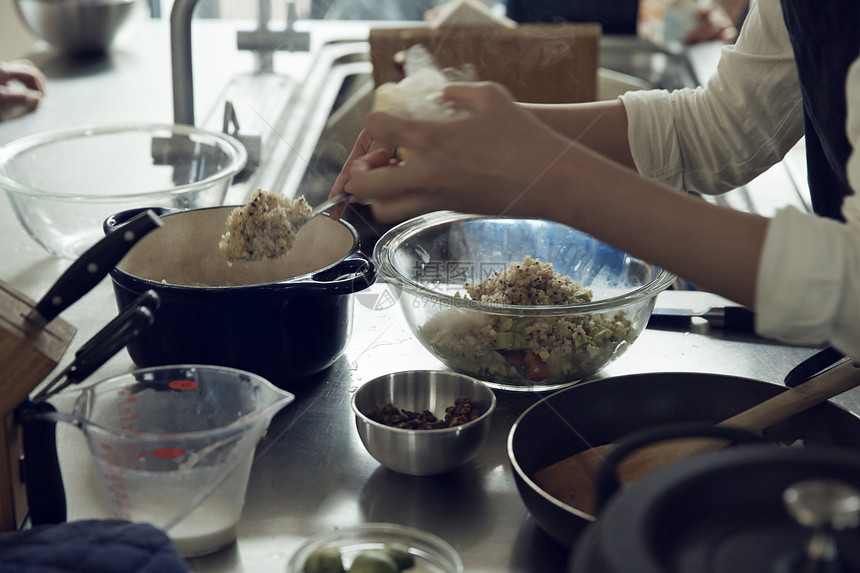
[(602, 411)]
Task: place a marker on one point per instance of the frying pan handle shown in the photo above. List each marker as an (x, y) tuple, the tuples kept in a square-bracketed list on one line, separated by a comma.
[(46, 495), (819, 361), (351, 274), (606, 483)]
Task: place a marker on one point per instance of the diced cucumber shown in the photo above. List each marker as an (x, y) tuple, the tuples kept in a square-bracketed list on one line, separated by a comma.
[(509, 340)]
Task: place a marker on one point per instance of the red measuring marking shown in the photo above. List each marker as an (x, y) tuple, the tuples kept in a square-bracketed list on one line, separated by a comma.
[(182, 384), (168, 453)]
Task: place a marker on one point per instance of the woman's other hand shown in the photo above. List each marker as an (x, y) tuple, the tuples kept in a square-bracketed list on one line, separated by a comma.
[(22, 87)]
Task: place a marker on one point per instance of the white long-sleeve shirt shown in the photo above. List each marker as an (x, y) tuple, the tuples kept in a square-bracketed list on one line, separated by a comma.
[(723, 135)]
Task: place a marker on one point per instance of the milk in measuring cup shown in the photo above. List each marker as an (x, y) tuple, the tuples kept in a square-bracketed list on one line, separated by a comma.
[(164, 499)]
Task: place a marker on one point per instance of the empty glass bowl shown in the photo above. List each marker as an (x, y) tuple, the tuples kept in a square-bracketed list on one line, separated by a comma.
[(430, 258), (63, 184), (427, 552)]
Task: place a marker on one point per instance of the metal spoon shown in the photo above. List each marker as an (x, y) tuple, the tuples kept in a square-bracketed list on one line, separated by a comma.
[(326, 205)]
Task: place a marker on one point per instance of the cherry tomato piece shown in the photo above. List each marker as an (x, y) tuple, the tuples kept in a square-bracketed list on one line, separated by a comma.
[(514, 357), (537, 367)]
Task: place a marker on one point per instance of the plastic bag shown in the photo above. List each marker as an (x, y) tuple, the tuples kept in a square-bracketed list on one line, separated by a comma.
[(419, 93)]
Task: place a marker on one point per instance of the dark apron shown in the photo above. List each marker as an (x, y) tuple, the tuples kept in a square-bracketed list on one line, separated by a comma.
[(825, 37)]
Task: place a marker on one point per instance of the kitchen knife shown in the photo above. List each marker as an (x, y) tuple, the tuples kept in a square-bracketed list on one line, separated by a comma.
[(725, 317), (88, 270), (46, 496), (104, 344)]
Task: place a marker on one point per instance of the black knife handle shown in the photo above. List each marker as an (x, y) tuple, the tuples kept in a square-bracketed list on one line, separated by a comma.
[(86, 364), (46, 495), (107, 342), (739, 318), (149, 300), (657, 320), (91, 267)]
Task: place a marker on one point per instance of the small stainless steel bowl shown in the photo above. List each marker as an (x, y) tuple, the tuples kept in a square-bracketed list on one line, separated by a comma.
[(81, 26), (423, 452)]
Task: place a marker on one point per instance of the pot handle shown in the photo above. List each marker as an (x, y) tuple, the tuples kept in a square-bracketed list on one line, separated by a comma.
[(118, 219), (351, 274), (606, 483)]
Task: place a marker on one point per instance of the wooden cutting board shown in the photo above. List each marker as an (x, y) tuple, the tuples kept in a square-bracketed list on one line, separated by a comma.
[(538, 63)]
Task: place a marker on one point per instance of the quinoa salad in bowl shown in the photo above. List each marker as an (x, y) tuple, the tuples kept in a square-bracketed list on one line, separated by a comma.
[(500, 347)]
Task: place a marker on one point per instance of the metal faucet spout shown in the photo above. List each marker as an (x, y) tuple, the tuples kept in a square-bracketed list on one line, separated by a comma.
[(180, 56)]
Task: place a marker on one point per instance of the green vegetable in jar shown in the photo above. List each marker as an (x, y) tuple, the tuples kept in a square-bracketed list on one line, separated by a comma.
[(401, 556), (375, 561), (324, 560)]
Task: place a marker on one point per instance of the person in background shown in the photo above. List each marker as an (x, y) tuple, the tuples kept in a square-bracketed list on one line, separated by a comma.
[(612, 169), (22, 87), (719, 21)]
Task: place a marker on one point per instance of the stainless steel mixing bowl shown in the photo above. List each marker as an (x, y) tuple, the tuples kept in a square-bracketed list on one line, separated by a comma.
[(81, 26)]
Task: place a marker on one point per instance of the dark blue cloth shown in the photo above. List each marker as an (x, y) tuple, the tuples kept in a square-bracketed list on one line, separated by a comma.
[(90, 546), (825, 37)]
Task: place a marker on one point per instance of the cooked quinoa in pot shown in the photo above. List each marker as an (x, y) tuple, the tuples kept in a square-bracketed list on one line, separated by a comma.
[(265, 228)]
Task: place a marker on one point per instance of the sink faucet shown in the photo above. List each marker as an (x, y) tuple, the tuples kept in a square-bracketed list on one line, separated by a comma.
[(263, 40), (180, 57)]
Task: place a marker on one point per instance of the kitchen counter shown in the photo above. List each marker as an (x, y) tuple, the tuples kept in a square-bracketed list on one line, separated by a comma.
[(311, 472)]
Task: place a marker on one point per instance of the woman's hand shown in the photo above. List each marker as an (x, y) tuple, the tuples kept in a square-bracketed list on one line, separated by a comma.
[(496, 158), (22, 87), (364, 147), (489, 158)]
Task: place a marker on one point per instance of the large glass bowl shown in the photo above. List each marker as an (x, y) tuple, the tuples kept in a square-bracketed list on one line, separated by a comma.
[(63, 184), (430, 258)]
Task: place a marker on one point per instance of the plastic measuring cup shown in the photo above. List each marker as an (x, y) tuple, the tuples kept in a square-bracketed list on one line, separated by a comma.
[(173, 446)]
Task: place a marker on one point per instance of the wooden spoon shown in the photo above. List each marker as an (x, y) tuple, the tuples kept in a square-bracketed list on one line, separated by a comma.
[(572, 480)]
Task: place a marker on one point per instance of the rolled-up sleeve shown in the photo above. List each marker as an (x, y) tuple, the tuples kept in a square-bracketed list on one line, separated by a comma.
[(808, 285), (715, 138), (719, 137)]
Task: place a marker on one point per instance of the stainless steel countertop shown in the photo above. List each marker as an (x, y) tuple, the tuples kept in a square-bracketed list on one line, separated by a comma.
[(311, 472)]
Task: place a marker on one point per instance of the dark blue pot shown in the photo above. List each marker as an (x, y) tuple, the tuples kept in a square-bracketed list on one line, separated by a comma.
[(284, 319)]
